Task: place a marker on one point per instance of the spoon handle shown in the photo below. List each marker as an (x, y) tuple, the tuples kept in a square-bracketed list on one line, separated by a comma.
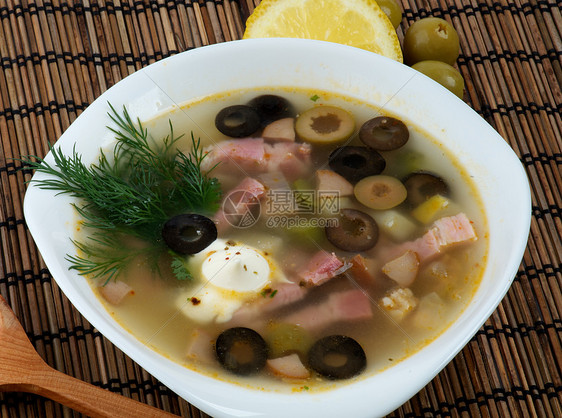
[(86, 398)]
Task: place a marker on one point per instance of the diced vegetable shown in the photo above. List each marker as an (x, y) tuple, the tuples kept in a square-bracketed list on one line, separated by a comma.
[(115, 291), (271, 244), (328, 181), (289, 367), (430, 312), (280, 130), (200, 347), (398, 226), (404, 269), (306, 234), (398, 303), (431, 209), (283, 338), (302, 184)]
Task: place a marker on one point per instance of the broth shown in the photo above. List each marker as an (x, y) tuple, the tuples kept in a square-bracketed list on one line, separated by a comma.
[(161, 311)]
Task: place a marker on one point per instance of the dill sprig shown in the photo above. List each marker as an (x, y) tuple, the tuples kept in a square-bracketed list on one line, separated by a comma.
[(131, 194)]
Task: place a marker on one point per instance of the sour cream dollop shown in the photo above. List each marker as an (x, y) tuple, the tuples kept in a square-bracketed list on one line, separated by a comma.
[(229, 275), (238, 267)]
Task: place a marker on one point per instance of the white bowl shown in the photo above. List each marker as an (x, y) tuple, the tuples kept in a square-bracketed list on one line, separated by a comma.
[(494, 167)]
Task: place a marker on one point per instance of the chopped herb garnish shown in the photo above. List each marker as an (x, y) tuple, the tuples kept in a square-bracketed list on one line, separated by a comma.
[(125, 200), (266, 292), (273, 293), (179, 267), (314, 98)]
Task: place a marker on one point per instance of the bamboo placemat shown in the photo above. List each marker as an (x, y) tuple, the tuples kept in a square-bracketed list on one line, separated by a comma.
[(57, 57)]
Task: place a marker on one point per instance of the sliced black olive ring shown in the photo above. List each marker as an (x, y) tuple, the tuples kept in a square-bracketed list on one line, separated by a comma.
[(384, 133), (237, 121), (422, 185), (241, 351), (356, 231), (271, 108), (189, 233), (337, 357), (354, 163)]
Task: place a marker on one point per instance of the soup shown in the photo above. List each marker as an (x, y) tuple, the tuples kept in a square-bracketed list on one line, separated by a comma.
[(345, 240)]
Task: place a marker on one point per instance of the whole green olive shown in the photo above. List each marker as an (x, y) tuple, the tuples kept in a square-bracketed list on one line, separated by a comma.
[(444, 74), (431, 38), (392, 10)]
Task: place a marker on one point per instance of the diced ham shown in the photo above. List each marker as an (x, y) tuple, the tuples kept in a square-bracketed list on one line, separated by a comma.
[(285, 294), (321, 268), (288, 367), (200, 347), (280, 130), (280, 296), (360, 270), (454, 229), (253, 156), (238, 202), (444, 232), (115, 291), (246, 155), (328, 181), (349, 305), (404, 269), (290, 158)]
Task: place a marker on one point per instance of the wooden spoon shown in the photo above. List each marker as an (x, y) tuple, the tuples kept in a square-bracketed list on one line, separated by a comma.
[(23, 370)]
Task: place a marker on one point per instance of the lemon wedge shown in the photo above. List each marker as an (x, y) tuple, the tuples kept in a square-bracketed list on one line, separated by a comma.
[(359, 23)]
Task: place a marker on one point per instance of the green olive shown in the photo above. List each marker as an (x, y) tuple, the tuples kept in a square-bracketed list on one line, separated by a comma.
[(444, 74), (325, 125), (431, 38), (392, 9), (380, 192)]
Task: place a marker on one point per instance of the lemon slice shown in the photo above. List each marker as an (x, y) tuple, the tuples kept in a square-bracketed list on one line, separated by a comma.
[(359, 23)]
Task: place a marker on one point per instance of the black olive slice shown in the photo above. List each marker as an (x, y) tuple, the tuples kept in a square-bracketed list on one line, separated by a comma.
[(238, 121), (189, 233), (271, 108), (354, 163), (384, 133), (422, 185), (241, 350), (337, 357), (356, 231)]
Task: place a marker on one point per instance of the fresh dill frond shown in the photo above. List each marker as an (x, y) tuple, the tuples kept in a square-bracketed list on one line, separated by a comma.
[(179, 267), (145, 183), (103, 257)]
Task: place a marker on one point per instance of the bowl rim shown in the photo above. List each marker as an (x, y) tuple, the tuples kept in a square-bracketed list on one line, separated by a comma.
[(396, 384)]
